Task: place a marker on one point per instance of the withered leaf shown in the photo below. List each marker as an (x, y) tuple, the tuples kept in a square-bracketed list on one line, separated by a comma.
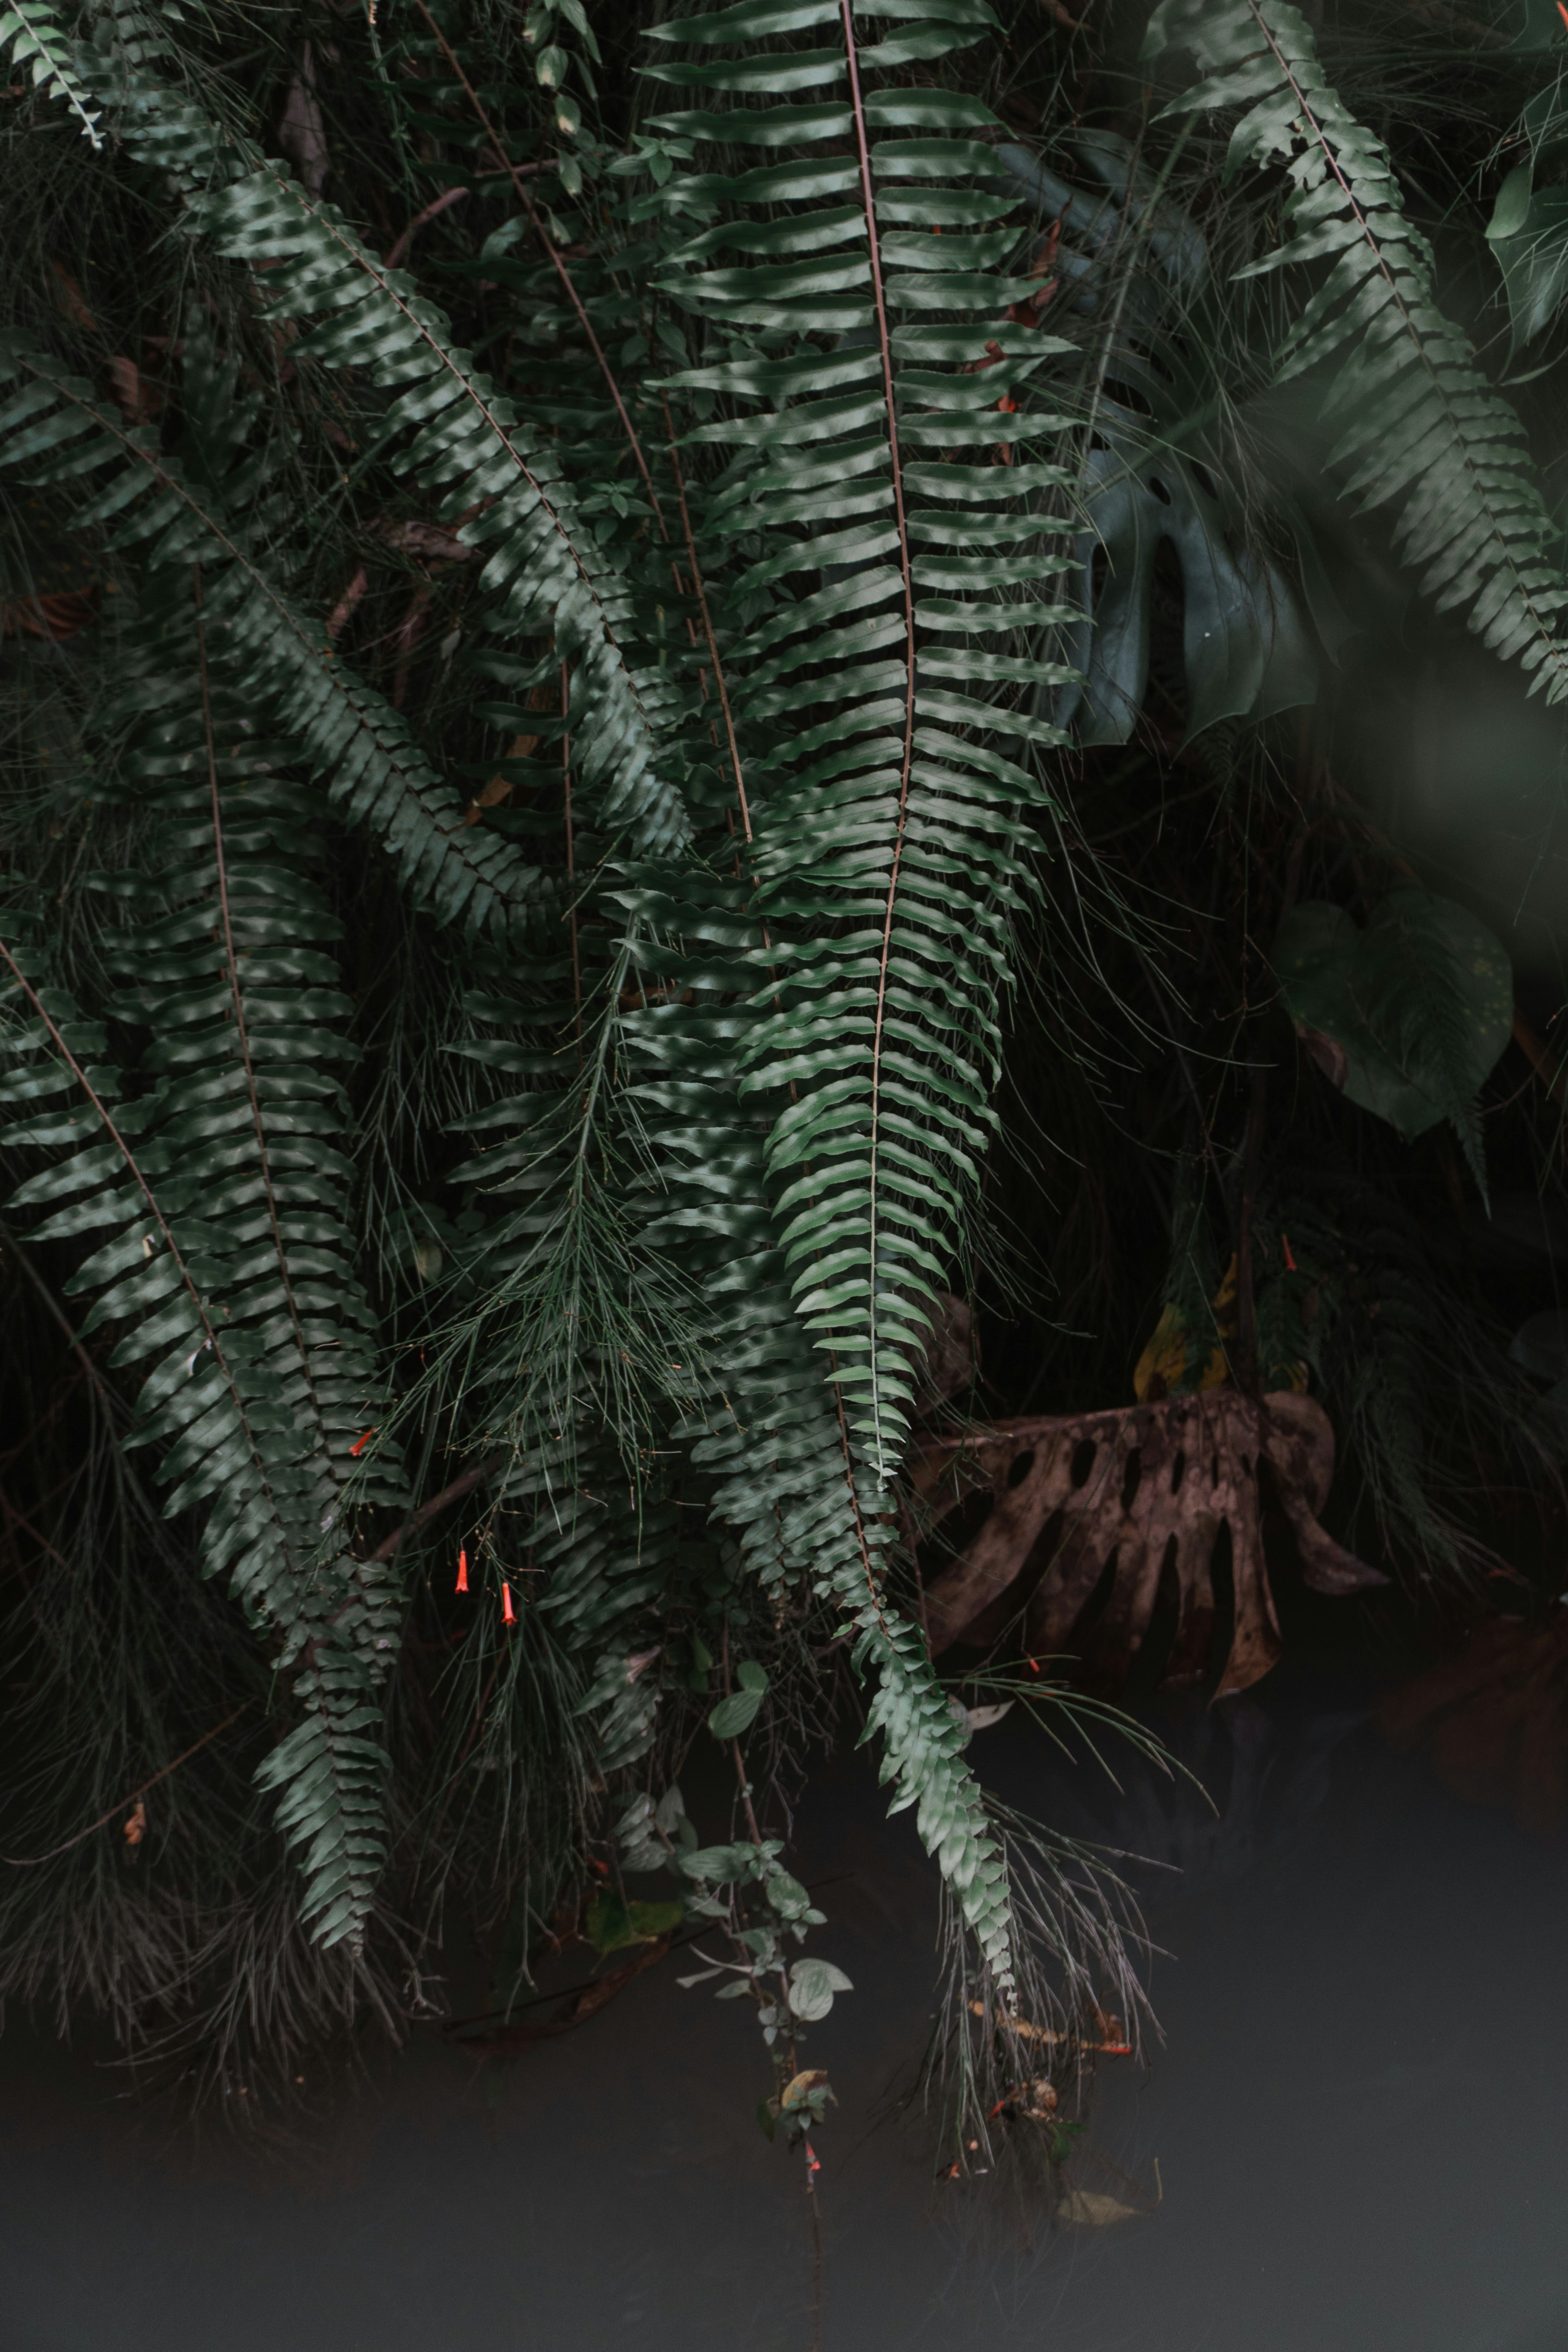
[(949, 1360), (1089, 2209), (797, 2090), (1129, 1493), (427, 542)]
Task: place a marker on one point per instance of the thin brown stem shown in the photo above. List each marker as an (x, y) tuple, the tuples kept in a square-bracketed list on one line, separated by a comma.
[(455, 1492), (14, 1517), (814, 2341), (869, 202), (744, 1785), (701, 594), (31, 1862), (112, 1402), (443, 203), (571, 859)]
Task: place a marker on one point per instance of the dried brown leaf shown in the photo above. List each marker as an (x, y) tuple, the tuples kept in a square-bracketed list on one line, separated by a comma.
[(1130, 1495), (428, 542), (302, 131)]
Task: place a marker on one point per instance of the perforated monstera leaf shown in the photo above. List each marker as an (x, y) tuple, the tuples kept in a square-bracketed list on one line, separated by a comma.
[(1248, 647), (1407, 1016)]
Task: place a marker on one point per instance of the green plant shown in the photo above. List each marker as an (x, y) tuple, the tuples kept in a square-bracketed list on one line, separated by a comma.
[(594, 677)]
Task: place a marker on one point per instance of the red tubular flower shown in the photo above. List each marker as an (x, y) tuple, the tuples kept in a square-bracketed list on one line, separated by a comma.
[(462, 1571), (508, 1614), (357, 1448)]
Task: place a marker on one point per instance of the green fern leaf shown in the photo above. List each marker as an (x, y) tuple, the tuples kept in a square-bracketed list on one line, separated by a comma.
[(31, 34), (55, 429), (1421, 429)]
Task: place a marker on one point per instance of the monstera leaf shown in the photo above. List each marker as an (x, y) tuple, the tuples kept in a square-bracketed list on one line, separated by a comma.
[(1407, 1016), (1083, 1518), (1248, 647), (1529, 233)]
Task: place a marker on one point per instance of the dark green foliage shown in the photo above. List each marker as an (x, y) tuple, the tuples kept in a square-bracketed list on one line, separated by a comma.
[(1138, 287), (595, 666), (1419, 1004), (1417, 424)]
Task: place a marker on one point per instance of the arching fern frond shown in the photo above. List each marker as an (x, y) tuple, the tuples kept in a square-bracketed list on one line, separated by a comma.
[(57, 429), (217, 1195), (1421, 431), (224, 1182), (888, 796), (888, 828), (769, 1435), (448, 428), (31, 34)]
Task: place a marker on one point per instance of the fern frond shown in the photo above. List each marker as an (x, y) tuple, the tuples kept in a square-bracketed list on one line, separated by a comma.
[(448, 426), (885, 718), (769, 1436), (32, 35), (243, 1289), (889, 833), (1421, 431), (235, 1286), (57, 429)]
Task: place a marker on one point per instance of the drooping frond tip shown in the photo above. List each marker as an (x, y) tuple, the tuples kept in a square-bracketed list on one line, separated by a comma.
[(1420, 429), (32, 35)]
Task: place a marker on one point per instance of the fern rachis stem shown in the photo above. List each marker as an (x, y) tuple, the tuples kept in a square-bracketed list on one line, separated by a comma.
[(570, 865), (31, 1861), (241, 1031), (707, 622), (878, 295)]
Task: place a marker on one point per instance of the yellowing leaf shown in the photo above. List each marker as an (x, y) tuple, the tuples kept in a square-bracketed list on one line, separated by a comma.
[(611, 1924), (1164, 1360), (1088, 2210)]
